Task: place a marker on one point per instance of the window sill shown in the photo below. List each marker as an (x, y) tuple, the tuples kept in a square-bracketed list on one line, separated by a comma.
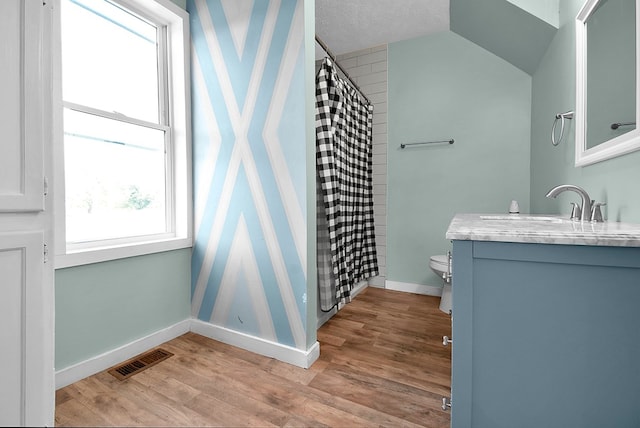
[(97, 255)]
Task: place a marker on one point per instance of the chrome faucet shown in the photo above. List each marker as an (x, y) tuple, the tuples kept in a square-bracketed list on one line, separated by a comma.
[(585, 210)]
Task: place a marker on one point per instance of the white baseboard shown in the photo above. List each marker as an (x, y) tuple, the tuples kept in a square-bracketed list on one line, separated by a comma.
[(408, 287), (377, 281), (99, 363), (94, 365), (287, 354)]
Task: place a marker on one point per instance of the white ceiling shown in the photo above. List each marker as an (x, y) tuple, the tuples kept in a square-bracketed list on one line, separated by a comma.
[(351, 25)]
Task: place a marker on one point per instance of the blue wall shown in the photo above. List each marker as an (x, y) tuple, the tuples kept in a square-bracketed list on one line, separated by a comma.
[(249, 261), (103, 306), (443, 86), (613, 181)]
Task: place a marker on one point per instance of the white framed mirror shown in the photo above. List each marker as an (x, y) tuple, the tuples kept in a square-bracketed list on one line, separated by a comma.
[(607, 69)]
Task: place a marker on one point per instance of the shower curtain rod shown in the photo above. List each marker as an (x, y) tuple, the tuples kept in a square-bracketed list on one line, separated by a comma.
[(333, 57)]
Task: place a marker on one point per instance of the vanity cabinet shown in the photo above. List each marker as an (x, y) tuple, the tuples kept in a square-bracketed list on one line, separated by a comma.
[(545, 335)]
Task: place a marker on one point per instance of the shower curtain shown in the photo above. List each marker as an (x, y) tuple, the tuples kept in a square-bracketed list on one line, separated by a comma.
[(346, 236)]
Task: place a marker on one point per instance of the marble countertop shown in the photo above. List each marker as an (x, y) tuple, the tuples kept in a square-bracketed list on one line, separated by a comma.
[(542, 229)]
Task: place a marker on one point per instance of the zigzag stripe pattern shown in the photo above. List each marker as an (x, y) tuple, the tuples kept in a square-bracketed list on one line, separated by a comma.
[(249, 256)]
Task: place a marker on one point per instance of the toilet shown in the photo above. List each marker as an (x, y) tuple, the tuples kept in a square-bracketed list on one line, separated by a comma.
[(440, 266)]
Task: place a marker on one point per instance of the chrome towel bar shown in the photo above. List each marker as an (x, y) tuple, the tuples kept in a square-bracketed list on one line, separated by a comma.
[(403, 145), (618, 125)]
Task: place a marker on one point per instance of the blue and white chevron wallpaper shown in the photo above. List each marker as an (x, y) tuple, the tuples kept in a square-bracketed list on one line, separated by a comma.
[(249, 258)]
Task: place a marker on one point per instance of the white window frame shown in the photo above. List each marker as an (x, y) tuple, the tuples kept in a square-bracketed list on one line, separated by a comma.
[(178, 104)]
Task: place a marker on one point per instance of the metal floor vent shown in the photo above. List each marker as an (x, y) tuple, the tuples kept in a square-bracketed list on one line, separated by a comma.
[(139, 363)]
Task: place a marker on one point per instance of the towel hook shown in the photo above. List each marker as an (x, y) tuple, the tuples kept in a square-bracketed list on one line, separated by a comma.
[(561, 117)]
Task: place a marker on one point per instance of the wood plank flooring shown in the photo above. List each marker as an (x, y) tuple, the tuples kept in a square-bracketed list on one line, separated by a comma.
[(381, 363)]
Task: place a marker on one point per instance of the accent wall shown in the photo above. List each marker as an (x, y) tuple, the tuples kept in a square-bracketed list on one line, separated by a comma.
[(252, 169)]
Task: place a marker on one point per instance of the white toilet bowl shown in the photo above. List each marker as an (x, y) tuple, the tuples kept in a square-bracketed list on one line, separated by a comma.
[(440, 265)]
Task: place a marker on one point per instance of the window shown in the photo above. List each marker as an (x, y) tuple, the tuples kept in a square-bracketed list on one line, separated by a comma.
[(125, 136)]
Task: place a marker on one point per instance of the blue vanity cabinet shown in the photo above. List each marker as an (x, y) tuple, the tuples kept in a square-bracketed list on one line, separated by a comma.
[(545, 335)]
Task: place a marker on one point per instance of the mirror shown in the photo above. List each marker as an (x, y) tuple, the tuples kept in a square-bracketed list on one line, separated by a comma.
[(606, 80)]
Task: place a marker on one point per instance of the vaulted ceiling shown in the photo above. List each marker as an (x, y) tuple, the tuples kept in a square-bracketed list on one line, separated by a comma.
[(518, 31)]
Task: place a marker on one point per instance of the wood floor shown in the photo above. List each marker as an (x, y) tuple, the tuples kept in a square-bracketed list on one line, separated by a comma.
[(381, 363)]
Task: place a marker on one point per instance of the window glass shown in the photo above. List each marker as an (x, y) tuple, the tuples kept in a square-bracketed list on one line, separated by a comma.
[(115, 178), (109, 59), (123, 187), (115, 140)]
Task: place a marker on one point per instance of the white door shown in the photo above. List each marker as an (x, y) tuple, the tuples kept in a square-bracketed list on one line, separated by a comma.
[(26, 278)]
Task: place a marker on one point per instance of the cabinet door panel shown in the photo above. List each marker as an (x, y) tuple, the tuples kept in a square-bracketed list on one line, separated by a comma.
[(20, 281), (26, 283), (21, 106)]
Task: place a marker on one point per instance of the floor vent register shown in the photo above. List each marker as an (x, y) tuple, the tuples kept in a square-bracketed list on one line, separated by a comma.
[(139, 363)]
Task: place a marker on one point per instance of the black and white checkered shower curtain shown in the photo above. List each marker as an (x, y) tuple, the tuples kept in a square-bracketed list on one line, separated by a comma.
[(346, 235)]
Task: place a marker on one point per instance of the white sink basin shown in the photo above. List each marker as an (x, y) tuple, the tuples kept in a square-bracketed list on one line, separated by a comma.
[(518, 217)]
